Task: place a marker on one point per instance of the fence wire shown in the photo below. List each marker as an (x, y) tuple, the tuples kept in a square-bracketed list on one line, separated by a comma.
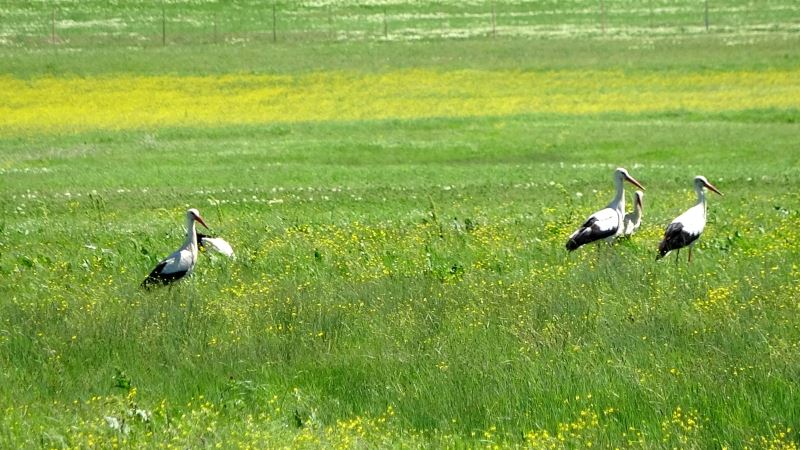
[(88, 23)]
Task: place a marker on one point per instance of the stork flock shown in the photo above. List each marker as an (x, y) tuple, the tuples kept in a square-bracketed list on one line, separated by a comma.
[(611, 222), (607, 224)]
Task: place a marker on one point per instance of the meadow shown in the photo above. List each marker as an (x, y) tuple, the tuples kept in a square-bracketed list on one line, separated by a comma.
[(399, 209)]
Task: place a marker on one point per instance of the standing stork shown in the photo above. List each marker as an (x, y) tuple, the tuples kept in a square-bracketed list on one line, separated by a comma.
[(181, 262), (606, 223), (686, 228), (633, 219)]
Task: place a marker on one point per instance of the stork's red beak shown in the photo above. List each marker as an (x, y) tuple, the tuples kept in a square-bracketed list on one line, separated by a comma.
[(634, 182), (200, 219), (711, 186)]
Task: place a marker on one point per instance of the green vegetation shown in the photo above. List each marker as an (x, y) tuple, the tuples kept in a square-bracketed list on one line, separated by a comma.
[(93, 23), (402, 283)]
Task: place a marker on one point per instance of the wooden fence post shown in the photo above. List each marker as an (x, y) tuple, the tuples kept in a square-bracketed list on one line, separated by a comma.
[(331, 31), (163, 25), (603, 16), (385, 25), (274, 23)]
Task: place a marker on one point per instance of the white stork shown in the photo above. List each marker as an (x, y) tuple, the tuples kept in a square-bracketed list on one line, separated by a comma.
[(606, 223), (633, 219), (181, 262), (216, 243), (686, 228)]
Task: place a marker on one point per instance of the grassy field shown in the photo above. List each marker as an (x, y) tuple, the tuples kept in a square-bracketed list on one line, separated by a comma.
[(139, 23), (399, 210)]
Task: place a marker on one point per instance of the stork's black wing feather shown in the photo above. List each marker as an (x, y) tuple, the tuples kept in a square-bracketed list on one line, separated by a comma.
[(158, 277), (588, 232), (675, 237)]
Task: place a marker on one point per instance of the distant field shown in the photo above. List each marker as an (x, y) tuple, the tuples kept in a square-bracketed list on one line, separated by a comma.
[(146, 23), (132, 102), (398, 181)]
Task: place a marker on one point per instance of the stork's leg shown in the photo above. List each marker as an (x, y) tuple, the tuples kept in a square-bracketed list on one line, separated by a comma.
[(677, 252), (690, 253)]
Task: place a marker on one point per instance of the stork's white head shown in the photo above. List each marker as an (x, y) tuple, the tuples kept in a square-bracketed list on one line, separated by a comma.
[(638, 196), (621, 175), (193, 214), (700, 182)]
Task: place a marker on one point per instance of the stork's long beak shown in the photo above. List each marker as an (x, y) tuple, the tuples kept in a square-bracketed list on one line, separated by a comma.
[(200, 219), (634, 182), (711, 186)]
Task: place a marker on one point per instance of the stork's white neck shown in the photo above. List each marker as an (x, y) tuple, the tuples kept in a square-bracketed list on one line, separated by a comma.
[(191, 234), (618, 202), (637, 211), (701, 197)]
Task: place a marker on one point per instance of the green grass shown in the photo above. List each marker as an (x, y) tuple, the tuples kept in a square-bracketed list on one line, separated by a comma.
[(466, 329), (93, 23), (402, 283), (692, 53)]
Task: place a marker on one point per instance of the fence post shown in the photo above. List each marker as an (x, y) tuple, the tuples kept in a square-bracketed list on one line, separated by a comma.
[(163, 25), (705, 14), (274, 23), (603, 16), (385, 25), (331, 32)]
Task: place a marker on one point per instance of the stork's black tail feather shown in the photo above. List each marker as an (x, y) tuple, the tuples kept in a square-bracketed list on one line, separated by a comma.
[(583, 236), (161, 279), (157, 276), (674, 239), (148, 283)]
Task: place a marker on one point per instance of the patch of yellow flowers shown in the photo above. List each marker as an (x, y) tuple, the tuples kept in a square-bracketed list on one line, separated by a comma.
[(118, 102)]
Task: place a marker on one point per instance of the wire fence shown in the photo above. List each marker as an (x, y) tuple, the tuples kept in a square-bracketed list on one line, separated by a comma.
[(91, 23)]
